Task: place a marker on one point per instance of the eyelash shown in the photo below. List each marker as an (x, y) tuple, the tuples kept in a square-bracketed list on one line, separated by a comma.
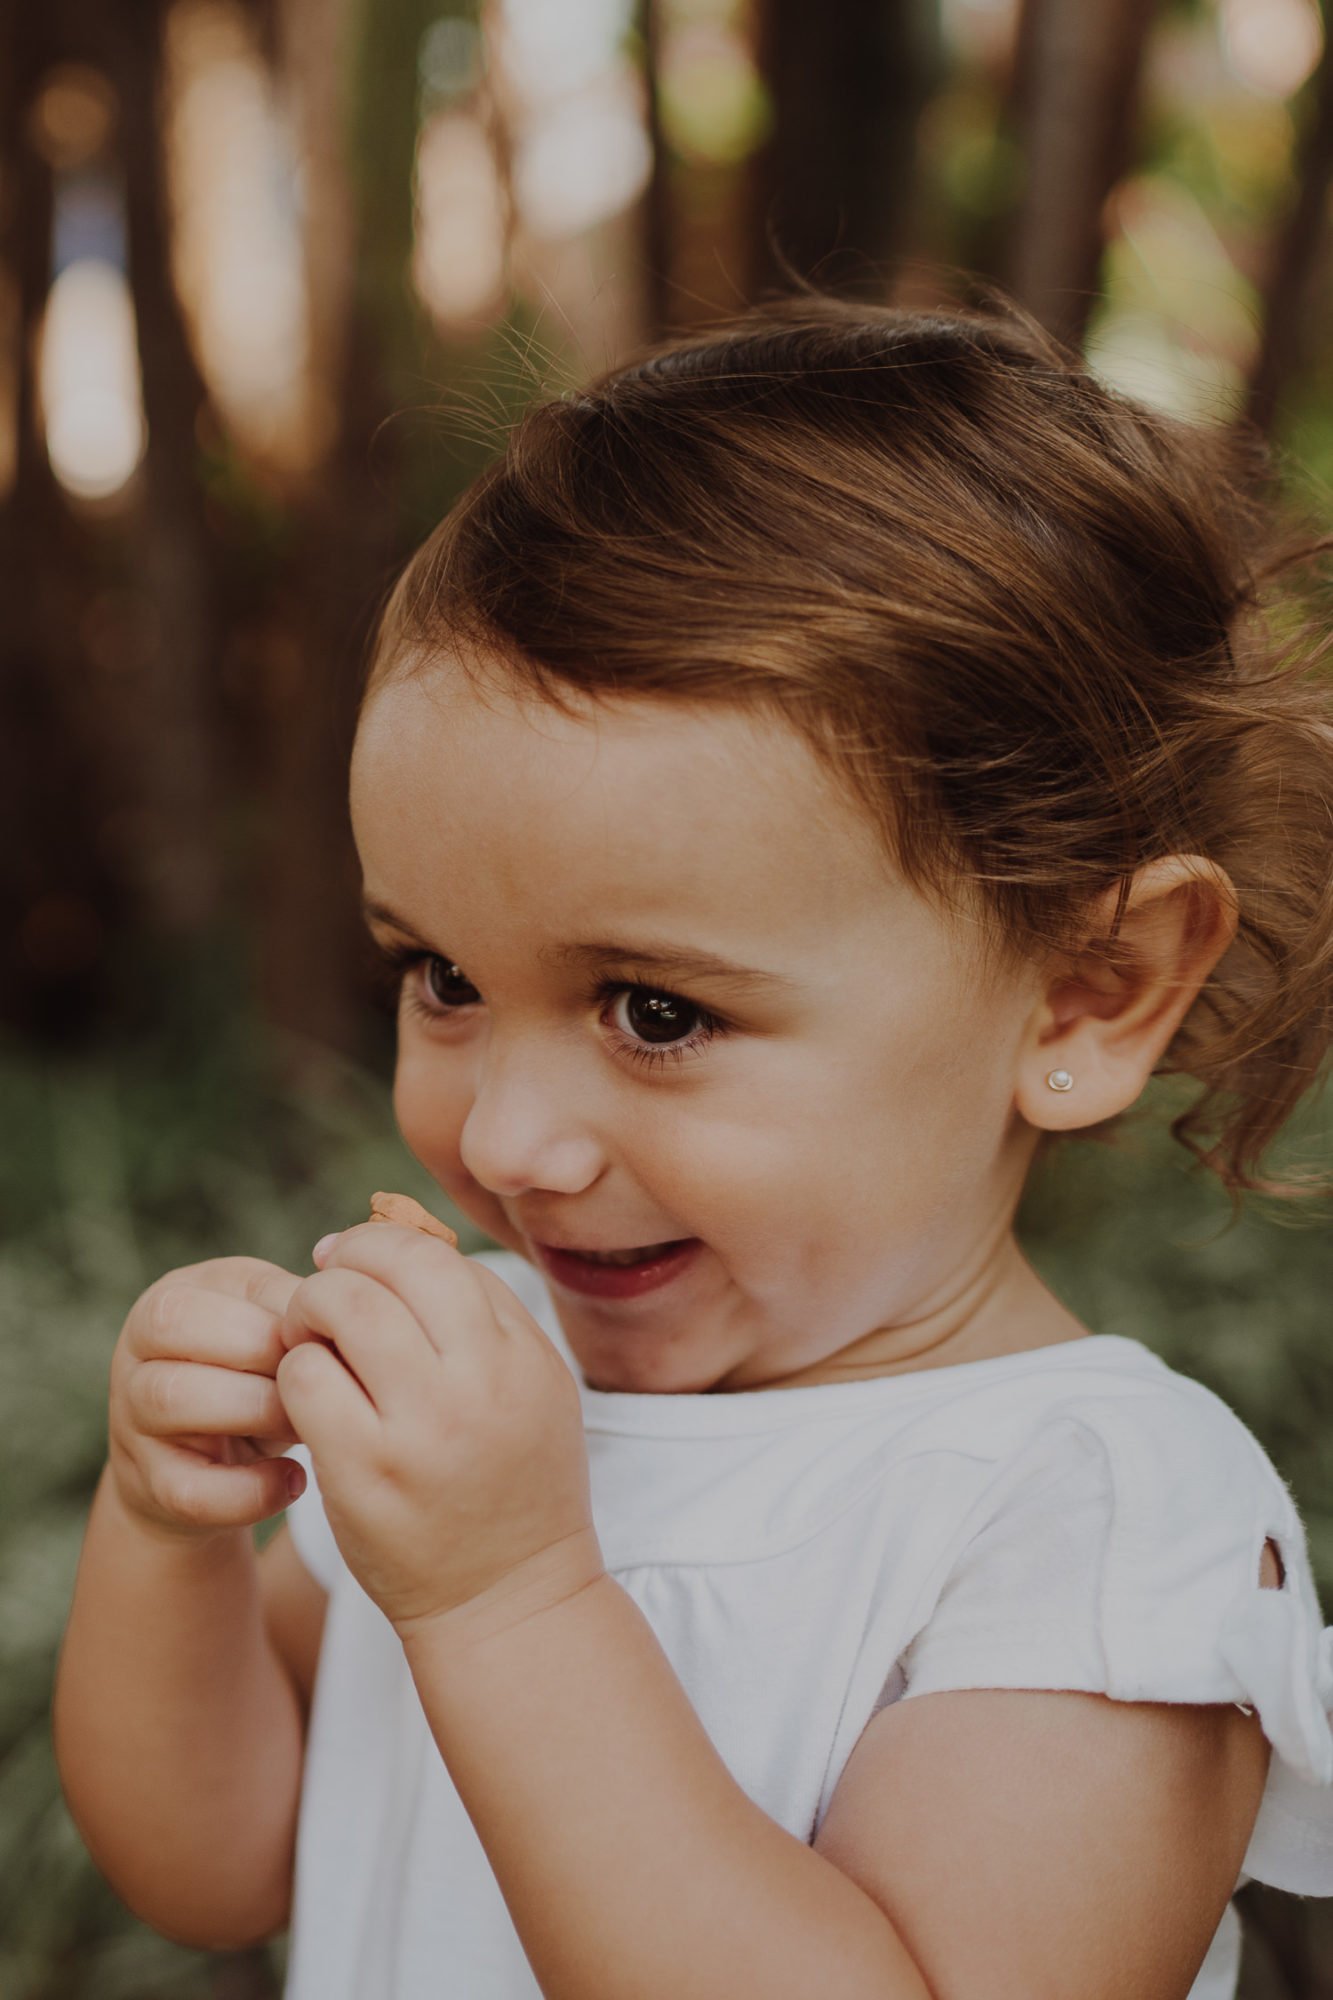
[(393, 964)]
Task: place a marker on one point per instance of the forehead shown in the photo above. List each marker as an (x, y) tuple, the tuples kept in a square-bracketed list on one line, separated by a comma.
[(715, 821)]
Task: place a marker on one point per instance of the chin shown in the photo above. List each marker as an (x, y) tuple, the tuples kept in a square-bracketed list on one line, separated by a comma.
[(626, 1374)]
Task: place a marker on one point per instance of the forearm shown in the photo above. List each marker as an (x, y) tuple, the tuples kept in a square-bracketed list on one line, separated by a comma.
[(630, 1860), (178, 1733)]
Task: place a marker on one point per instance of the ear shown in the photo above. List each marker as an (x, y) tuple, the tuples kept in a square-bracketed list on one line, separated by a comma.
[(1109, 1012)]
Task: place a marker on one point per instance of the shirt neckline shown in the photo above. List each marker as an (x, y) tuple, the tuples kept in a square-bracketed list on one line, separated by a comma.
[(707, 1414)]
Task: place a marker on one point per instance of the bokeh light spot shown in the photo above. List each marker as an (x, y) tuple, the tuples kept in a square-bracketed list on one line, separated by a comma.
[(1271, 46), (89, 373)]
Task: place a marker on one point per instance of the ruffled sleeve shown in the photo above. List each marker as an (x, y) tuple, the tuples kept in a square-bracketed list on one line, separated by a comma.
[(1119, 1553)]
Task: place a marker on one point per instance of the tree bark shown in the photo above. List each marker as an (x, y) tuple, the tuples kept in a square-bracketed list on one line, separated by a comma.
[(182, 785), (656, 209), (58, 907), (1077, 76), (306, 879), (1298, 253), (832, 189)]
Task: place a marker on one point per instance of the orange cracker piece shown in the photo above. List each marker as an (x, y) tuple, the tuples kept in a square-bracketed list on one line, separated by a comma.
[(409, 1214)]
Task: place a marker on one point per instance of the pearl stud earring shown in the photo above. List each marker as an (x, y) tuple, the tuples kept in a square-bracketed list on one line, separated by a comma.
[(1060, 1079)]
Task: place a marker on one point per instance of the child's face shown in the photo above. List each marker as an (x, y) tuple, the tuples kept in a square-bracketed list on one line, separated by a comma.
[(845, 1147)]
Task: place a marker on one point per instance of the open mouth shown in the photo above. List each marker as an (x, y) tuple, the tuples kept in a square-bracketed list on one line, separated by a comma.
[(618, 1274), (626, 1257)]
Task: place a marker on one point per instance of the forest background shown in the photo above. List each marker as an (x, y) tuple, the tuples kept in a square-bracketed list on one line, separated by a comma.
[(274, 276)]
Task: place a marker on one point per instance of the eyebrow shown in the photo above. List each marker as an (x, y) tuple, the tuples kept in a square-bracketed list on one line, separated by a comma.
[(664, 958)]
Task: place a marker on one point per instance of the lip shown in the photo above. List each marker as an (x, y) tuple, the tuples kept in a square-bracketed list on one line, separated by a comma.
[(616, 1281)]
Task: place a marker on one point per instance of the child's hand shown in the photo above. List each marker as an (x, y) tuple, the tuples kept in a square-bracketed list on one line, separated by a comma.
[(446, 1429), (195, 1413)]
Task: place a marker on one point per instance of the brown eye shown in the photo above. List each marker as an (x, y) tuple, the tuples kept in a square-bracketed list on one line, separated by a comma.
[(658, 1017), (653, 1028), (446, 985)]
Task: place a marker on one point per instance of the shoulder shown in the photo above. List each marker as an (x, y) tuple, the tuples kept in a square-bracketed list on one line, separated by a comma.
[(1175, 1476), (1195, 1511), (1173, 1444), (1136, 1541), (1108, 1436), (1171, 1488)]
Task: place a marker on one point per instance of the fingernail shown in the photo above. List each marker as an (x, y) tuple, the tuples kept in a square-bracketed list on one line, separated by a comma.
[(296, 1482), (324, 1245)]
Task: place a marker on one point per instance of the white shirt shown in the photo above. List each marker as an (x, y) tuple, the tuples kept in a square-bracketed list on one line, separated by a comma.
[(1075, 1516)]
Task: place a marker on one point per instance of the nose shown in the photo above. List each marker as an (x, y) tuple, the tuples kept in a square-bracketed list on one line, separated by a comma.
[(528, 1126)]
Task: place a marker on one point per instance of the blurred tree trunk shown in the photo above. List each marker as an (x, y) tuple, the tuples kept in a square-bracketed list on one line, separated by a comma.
[(1297, 254), (658, 245), (832, 189), (306, 879), (1076, 86), (181, 790), (55, 897), (352, 70)]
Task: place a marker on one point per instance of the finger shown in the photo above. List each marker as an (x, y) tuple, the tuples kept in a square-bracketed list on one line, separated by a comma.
[(510, 1312), (434, 1281), (328, 1407), (200, 1493), (373, 1332), (184, 1321), (250, 1278), (273, 1447), (167, 1398), (225, 1448)]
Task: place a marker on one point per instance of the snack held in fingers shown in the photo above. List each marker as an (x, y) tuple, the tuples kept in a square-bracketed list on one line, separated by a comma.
[(401, 1208)]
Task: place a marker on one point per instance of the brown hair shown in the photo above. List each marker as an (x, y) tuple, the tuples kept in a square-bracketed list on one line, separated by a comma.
[(1018, 615)]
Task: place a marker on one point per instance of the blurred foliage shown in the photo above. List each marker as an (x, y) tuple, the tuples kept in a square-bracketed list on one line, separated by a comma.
[(120, 1167)]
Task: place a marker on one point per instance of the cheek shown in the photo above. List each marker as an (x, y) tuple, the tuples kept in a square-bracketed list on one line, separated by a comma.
[(745, 1177), (930, 1123), (431, 1101), (930, 1054), (431, 1104), (894, 1116)]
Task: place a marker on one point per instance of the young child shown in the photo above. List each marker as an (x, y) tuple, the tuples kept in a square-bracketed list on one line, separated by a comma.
[(815, 768)]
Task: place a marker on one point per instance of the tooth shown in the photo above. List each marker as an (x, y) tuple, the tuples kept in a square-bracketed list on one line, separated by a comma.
[(625, 1257)]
